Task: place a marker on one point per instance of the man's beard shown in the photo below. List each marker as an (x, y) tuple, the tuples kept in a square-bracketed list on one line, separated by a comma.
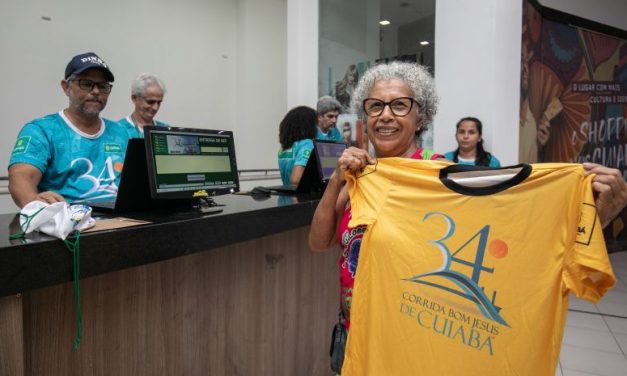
[(89, 109)]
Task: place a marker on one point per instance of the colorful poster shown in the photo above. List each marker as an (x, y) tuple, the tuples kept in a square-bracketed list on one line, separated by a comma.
[(342, 88), (351, 129), (573, 93), (573, 88)]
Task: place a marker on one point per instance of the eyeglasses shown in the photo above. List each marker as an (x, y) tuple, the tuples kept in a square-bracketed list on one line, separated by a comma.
[(88, 85), (399, 106)]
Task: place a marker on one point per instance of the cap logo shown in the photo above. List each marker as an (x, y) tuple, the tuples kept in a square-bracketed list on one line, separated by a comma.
[(93, 60)]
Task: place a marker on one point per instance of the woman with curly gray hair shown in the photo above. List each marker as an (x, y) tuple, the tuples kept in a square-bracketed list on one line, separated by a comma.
[(416, 79), (397, 101)]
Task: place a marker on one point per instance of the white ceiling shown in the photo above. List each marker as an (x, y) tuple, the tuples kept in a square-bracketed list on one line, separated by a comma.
[(401, 12)]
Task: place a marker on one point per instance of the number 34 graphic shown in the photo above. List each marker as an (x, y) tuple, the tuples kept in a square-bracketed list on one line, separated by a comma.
[(469, 285)]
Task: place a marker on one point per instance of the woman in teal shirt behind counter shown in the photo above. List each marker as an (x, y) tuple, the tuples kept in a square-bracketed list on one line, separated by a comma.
[(470, 149), (296, 133)]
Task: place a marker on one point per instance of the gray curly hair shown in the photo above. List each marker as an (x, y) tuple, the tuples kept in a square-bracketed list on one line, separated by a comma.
[(417, 78), (141, 82)]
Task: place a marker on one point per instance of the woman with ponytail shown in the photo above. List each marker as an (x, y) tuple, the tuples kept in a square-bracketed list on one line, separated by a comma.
[(470, 149)]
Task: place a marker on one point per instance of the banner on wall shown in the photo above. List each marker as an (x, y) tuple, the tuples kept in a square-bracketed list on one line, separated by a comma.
[(573, 87), (573, 93)]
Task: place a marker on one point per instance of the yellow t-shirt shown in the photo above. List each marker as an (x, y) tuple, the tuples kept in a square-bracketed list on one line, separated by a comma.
[(473, 277)]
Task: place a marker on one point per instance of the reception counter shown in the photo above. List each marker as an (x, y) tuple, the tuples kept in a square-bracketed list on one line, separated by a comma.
[(232, 293)]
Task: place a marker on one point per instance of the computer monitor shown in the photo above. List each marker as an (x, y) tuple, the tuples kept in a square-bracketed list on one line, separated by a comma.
[(327, 154), (185, 162), (318, 170)]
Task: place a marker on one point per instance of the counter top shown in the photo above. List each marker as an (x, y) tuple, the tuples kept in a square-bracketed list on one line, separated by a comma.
[(42, 261)]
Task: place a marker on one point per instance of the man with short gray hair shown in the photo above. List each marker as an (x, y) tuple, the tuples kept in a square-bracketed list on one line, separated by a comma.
[(328, 109), (147, 92)]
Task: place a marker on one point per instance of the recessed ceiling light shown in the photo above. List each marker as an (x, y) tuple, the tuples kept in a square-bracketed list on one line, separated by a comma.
[(384, 22), (424, 43)]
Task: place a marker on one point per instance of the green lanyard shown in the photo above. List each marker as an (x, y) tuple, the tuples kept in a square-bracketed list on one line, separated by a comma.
[(24, 227), (72, 243)]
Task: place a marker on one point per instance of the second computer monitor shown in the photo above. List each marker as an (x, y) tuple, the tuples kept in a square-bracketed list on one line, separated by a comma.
[(328, 153)]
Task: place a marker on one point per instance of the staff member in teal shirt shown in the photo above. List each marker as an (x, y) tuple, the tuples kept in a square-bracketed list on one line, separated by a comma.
[(470, 149), (74, 154), (296, 131), (328, 109)]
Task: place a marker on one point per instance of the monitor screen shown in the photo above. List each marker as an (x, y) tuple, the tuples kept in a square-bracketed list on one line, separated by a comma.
[(328, 153), (183, 161)]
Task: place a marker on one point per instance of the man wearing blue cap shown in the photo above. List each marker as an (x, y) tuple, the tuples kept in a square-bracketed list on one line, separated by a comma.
[(72, 155)]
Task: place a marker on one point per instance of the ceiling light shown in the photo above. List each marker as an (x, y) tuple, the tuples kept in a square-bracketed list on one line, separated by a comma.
[(424, 43), (384, 22)]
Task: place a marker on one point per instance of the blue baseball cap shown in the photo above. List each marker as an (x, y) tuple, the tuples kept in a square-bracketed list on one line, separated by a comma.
[(89, 60)]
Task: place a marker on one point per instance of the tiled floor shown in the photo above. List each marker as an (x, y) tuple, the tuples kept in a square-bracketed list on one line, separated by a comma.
[(595, 339)]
